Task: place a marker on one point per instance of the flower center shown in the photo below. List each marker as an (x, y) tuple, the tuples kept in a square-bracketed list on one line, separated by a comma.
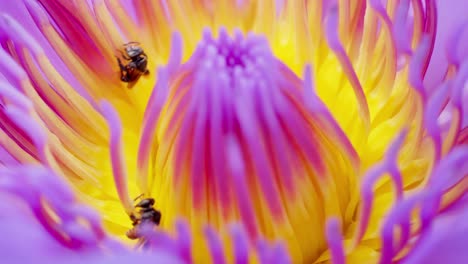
[(241, 138)]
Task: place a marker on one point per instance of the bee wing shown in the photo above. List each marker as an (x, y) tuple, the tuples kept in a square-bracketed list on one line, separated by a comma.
[(132, 42)]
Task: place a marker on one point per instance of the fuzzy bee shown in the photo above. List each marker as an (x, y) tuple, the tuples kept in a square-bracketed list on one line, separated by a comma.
[(146, 215), (137, 62)]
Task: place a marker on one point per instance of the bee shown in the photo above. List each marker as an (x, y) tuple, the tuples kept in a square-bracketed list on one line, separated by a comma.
[(145, 215), (137, 61)]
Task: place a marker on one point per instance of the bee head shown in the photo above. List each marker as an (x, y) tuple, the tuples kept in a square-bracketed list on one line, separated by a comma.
[(145, 203), (133, 51)]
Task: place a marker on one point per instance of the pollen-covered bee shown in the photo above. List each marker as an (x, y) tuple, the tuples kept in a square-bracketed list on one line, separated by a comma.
[(146, 214), (137, 61)]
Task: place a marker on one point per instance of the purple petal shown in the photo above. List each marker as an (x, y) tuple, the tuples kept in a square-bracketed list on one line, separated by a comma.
[(119, 168), (335, 241)]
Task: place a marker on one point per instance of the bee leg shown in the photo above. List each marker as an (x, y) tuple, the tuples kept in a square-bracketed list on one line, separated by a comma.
[(134, 219), (146, 72), (121, 66), (124, 77), (123, 71)]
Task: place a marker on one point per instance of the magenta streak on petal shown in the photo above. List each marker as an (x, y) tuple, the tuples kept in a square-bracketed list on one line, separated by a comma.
[(215, 246), (166, 11), (11, 94), (272, 105), (184, 241), (311, 99), (78, 234), (74, 34), (418, 16), (400, 215), (189, 101), (15, 135), (11, 70), (277, 138), (391, 162), (213, 96), (241, 65), (113, 8), (454, 161), (295, 125), (373, 175), (430, 28), (40, 17), (450, 171), (199, 109), (460, 203), (6, 158), (318, 109), (434, 108), (333, 40), (35, 184), (392, 57), (117, 156), (237, 167), (31, 128), (51, 184), (182, 146), (152, 112), (208, 100), (47, 222), (335, 241), (306, 141), (155, 104), (141, 19), (249, 130), (240, 245), (367, 201), (402, 40), (180, 98), (22, 40), (416, 67), (92, 217), (123, 6), (61, 198), (12, 30)]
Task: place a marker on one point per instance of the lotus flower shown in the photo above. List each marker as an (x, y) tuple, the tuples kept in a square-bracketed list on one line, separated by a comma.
[(265, 132)]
